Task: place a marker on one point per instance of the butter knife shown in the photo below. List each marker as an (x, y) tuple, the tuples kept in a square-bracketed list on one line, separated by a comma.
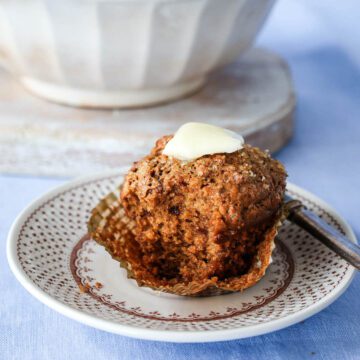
[(314, 225)]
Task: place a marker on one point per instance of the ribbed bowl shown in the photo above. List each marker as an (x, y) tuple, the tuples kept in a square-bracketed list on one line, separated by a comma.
[(123, 53)]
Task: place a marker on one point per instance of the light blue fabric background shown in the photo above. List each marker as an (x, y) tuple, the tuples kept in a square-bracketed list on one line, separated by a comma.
[(320, 40)]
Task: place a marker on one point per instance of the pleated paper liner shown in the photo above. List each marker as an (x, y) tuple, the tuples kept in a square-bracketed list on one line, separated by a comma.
[(110, 227)]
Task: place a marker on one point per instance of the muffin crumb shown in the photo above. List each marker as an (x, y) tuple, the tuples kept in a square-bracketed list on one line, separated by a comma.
[(84, 288), (98, 285)]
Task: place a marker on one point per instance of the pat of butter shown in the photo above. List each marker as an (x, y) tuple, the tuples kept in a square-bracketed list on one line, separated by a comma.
[(193, 140)]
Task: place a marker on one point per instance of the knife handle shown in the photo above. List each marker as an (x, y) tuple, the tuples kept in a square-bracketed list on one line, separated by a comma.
[(330, 237)]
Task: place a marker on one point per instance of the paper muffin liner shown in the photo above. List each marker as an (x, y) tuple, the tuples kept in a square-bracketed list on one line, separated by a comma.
[(110, 227)]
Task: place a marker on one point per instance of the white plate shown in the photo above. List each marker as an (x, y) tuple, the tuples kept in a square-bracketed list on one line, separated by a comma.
[(50, 254)]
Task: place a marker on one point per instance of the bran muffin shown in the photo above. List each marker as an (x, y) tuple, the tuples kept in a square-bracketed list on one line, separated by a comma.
[(210, 222)]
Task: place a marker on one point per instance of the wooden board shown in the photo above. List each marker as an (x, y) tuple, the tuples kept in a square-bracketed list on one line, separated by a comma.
[(253, 96)]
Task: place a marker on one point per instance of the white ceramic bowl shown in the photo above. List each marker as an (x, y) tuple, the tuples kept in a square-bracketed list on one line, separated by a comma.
[(123, 53)]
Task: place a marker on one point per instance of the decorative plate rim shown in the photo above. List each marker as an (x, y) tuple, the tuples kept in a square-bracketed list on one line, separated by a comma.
[(155, 334)]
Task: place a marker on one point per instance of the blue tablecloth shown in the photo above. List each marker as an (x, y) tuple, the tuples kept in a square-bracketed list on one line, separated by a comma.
[(320, 39)]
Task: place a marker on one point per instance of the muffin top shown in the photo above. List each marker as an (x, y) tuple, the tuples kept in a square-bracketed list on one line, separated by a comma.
[(244, 187)]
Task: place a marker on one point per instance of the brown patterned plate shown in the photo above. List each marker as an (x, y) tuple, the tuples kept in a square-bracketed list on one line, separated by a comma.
[(52, 257)]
